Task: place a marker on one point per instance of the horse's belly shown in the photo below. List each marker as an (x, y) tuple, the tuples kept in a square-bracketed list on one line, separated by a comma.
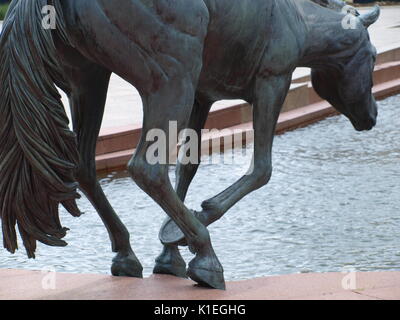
[(225, 83)]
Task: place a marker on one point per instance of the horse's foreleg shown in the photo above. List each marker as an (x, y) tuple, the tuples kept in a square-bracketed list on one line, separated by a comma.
[(268, 101), (170, 260), (173, 102), (186, 172), (87, 98), (270, 96)]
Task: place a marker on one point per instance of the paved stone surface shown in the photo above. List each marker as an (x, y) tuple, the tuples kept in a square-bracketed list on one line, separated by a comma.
[(24, 284)]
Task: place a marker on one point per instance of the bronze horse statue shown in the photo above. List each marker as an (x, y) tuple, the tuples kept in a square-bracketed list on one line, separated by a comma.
[(182, 56)]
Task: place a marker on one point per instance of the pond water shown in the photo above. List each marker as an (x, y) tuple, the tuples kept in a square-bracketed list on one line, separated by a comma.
[(333, 204)]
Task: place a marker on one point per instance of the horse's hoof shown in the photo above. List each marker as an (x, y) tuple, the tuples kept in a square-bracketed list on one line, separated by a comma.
[(170, 262), (126, 265), (206, 277), (170, 269), (171, 234)]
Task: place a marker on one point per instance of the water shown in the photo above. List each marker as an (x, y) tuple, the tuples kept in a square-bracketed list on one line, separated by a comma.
[(333, 204)]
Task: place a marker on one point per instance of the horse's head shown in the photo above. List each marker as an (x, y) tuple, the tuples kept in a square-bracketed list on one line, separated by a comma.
[(349, 87)]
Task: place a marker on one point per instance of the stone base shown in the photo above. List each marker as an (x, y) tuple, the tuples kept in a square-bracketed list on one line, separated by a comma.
[(26, 284)]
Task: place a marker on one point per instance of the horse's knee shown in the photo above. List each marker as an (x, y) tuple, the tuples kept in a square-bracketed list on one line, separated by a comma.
[(135, 169), (147, 175)]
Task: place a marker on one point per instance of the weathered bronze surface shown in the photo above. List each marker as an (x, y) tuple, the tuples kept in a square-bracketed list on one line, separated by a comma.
[(182, 56)]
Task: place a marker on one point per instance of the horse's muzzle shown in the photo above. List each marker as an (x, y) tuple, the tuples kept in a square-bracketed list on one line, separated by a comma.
[(364, 125)]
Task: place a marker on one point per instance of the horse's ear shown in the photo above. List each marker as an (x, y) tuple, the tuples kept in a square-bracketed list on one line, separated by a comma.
[(370, 18)]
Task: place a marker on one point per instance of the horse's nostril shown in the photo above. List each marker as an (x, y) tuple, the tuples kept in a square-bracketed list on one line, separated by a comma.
[(370, 123)]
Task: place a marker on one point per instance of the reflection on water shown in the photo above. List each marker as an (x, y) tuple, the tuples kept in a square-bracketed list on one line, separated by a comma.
[(333, 203)]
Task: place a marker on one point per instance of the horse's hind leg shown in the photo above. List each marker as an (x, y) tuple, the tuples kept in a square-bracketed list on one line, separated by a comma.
[(173, 102), (170, 260), (87, 98)]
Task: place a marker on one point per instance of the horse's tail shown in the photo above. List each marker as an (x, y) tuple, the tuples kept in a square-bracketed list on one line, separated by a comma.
[(38, 152)]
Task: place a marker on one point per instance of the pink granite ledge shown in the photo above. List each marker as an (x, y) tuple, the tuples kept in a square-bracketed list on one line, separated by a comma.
[(26, 284)]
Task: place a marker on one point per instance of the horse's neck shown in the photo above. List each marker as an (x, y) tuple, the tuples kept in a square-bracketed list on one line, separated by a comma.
[(327, 42)]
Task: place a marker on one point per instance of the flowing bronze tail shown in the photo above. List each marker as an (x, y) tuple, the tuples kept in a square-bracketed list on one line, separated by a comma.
[(38, 152)]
